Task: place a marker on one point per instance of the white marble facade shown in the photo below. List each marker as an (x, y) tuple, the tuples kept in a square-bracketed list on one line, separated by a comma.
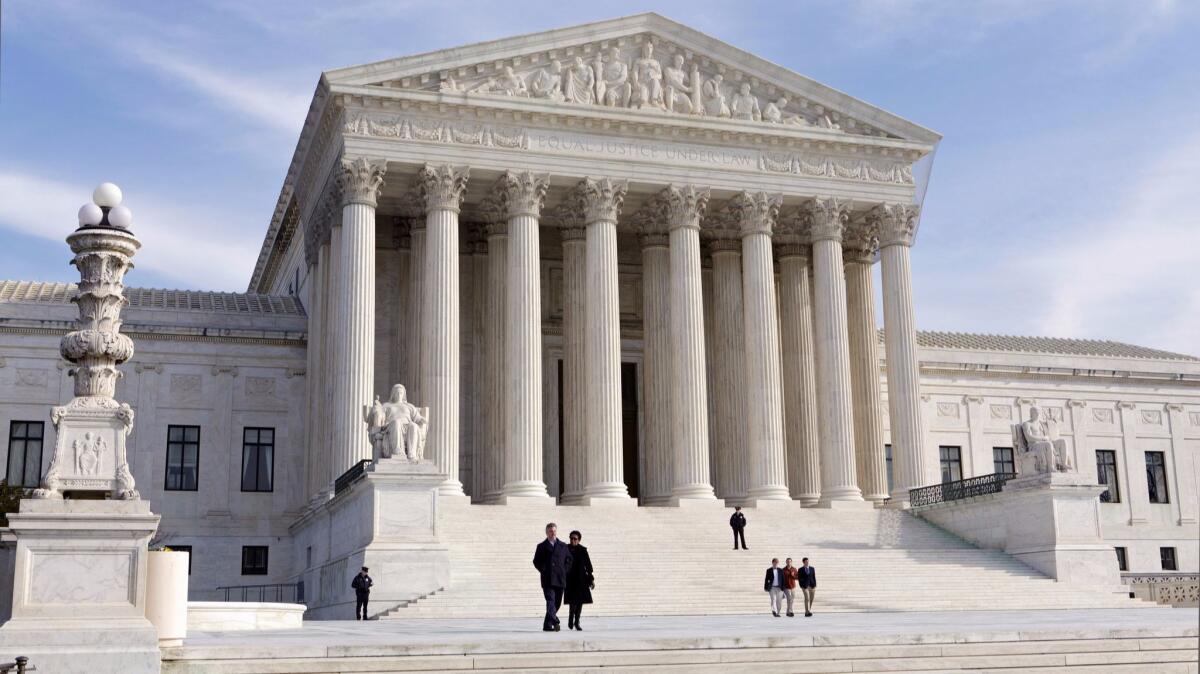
[(626, 199)]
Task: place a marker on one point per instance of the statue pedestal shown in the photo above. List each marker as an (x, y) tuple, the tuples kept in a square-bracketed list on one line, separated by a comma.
[(79, 586), (386, 520), (1048, 521)]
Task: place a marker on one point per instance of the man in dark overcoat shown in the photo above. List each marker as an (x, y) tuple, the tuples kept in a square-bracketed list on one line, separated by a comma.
[(552, 559)]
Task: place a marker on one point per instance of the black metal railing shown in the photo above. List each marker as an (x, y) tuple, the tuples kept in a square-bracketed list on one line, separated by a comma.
[(959, 489), (274, 592), (20, 666), (350, 476)]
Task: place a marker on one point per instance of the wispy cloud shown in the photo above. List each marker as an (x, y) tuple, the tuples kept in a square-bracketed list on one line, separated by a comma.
[(176, 243)]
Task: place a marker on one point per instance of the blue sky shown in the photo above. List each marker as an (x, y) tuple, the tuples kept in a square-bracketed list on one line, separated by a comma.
[(1062, 200)]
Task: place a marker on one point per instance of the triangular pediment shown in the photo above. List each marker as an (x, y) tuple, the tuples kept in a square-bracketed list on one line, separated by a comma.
[(643, 63)]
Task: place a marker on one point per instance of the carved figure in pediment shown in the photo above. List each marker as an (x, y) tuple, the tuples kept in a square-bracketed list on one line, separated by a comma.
[(488, 86), (579, 85), (774, 114), (647, 80), (613, 88), (510, 84), (449, 84), (547, 83), (715, 103), (678, 95), (745, 104)]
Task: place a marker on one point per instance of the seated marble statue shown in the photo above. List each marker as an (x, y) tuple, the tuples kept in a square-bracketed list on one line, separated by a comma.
[(396, 427), (1038, 447)]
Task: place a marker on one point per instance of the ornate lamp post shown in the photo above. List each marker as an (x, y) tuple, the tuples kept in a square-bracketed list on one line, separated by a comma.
[(89, 454)]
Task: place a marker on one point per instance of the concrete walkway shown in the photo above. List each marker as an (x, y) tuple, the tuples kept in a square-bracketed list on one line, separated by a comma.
[(443, 637)]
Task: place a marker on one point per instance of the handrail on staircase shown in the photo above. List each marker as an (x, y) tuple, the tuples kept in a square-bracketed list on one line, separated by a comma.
[(958, 489), (278, 592), (350, 476), (20, 666)]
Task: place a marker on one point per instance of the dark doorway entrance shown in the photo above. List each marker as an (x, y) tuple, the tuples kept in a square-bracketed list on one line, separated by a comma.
[(629, 427)]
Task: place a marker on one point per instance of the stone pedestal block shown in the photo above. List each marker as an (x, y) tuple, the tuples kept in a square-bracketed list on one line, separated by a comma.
[(387, 520), (79, 586)]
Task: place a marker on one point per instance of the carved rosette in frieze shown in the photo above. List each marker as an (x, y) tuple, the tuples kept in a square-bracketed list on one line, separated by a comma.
[(523, 193), (755, 212), (442, 187), (600, 199), (825, 218), (860, 241), (896, 224), (361, 179), (684, 206)]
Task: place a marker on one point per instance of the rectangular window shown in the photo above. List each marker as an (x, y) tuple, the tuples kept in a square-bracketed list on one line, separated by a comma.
[(951, 463), (254, 560), (1106, 474), (183, 458), (1002, 460), (1122, 560), (887, 455), (1156, 477), (25, 453), (258, 459), (188, 550), (1167, 556)]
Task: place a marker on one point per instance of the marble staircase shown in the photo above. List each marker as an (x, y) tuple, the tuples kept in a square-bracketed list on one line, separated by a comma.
[(679, 561)]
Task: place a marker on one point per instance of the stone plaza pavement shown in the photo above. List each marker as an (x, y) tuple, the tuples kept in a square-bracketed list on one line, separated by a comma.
[(1159, 640)]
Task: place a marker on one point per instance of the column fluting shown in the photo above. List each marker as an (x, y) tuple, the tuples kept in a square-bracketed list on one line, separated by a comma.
[(601, 202), (494, 330), (359, 180), (799, 375), (416, 308), (574, 378), (757, 214), (733, 464), (870, 460), (684, 207), (335, 338), (477, 397), (442, 188), (658, 472), (911, 467), (839, 479), (523, 196), (314, 477)]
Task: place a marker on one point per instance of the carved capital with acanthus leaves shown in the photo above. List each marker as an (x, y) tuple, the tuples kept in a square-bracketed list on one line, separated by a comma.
[(825, 218), (896, 224), (600, 199), (523, 193), (860, 242), (442, 187), (683, 206), (755, 212), (360, 180)]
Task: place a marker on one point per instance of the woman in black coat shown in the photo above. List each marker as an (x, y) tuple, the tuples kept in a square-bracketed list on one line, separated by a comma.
[(580, 581)]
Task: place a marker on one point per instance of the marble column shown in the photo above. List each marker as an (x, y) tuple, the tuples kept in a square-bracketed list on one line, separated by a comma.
[(412, 329), (658, 475), (359, 181), (524, 195), (494, 329), (442, 188), (756, 215), (684, 207), (911, 467), (478, 401), (870, 460), (733, 469), (835, 429), (333, 338), (405, 311), (574, 377), (601, 203), (799, 374), (314, 388)]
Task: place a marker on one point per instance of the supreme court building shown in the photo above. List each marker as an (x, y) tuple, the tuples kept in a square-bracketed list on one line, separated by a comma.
[(619, 262)]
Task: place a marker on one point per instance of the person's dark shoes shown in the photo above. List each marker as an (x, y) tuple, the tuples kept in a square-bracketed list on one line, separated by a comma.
[(570, 622), (578, 627), (791, 615), (557, 627), (808, 615), (775, 613), (547, 629)]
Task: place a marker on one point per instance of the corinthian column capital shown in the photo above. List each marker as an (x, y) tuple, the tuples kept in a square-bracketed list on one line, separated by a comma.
[(860, 242), (684, 206), (600, 199), (896, 224), (360, 179), (442, 186), (523, 193), (826, 218), (755, 212)]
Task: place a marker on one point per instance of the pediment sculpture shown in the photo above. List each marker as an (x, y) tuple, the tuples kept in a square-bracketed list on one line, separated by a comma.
[(634, 77), (1038, 446), (396, 428)]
